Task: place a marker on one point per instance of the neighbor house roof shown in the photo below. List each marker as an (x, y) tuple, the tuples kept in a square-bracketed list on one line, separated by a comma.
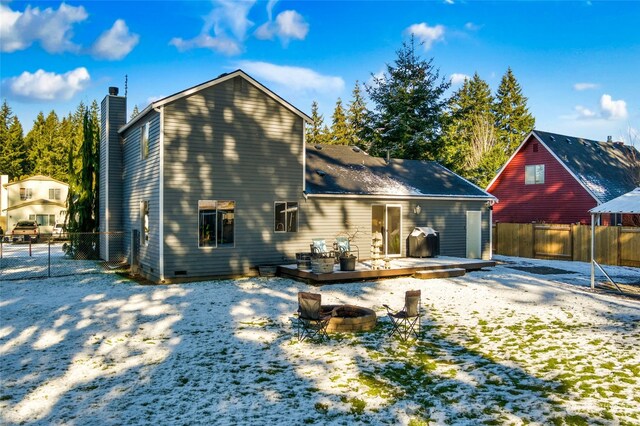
[(605, 170), (340, 170), (36, 177), (220, 79), (626, 203)]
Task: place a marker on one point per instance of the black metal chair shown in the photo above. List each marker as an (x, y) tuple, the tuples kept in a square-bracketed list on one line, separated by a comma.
[(407, 320), (312, 321)]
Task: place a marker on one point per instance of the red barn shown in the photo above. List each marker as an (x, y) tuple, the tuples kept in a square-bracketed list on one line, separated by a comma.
[(557, 179)]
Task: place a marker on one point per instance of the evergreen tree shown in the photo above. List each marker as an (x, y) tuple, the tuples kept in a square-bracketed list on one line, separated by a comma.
[(13, 152), (82, 214), (469, 131), (317, 132), (408, 107), (357, 119), (339, 130), (47, 147), (513, 119), (134, 113)]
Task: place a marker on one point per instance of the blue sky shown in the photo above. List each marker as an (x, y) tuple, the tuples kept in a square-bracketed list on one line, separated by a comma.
[(577, 62)]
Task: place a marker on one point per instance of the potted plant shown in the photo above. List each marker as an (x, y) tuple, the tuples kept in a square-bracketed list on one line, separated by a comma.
[(344, 247)]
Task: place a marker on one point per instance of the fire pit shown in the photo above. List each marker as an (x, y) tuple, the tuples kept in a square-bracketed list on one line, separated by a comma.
[(350, 318)]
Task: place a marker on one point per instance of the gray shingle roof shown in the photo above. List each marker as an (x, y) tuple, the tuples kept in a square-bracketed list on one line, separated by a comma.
[(606, 169), (344, 170)]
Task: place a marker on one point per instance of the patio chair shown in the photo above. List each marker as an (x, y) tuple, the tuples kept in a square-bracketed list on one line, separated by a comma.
[(407, 320), (342, 246), (319, 248), (312, 321)]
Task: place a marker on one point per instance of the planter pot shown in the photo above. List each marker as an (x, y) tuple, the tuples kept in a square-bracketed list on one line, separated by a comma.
[(348, 263), (322, 265)]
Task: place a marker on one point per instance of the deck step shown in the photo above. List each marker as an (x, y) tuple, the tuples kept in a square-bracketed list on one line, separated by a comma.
[(439, 273)]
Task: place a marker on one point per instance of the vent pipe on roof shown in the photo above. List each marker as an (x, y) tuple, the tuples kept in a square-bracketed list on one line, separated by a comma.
[(113, 91)]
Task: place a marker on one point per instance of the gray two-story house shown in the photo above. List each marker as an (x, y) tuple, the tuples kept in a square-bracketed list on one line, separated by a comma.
[(217, 179)]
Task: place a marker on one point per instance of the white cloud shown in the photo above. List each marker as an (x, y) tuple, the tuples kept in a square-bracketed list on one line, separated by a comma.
[(472, 27), (613, 110), (51, 28), (47, 86), (585, 113), (293, 78), (425, 34), (229, 23), (287, 26), (584, 86), (458, 78), (115, 43)]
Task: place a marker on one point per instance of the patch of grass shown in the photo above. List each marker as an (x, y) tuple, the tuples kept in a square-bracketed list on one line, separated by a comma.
[(321, 407), (357, 405)]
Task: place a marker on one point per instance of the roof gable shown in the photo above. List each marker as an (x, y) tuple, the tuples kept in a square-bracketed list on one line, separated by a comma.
[(605, 170), (345, 170), (220, 79), (36, 177)]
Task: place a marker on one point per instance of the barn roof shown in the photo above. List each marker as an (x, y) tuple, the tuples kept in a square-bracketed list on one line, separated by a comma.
[(606, 169), (345, 170)]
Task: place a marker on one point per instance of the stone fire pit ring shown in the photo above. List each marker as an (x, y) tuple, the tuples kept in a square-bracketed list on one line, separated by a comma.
[(350, 318)]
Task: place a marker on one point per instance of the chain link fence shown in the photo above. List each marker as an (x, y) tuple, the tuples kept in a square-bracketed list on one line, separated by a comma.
[(66, 255)]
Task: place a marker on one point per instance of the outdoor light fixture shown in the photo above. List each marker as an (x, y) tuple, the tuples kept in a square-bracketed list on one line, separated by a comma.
[(417, 209)]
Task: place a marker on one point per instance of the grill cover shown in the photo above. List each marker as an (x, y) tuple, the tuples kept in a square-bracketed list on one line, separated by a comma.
[(424, 242)]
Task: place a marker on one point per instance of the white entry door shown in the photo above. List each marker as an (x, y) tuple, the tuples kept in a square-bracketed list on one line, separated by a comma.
[(474, 234)]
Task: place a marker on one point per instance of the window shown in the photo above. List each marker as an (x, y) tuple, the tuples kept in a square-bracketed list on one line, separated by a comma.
[(26, 193), (216, 226), (54, 193), (534, 174), (286, 216), (144, 140), (45, 219), (144, 223)]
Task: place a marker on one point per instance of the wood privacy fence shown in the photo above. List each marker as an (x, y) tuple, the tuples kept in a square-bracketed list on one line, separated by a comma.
[(615, 245)]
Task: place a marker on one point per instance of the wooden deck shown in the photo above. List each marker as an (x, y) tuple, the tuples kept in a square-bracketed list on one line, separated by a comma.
[(436, 267)]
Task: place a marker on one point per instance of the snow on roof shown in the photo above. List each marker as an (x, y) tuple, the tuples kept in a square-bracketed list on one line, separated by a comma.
[(627, 203)]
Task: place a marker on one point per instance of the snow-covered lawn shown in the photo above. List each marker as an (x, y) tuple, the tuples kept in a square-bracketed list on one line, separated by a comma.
[(501, 346)]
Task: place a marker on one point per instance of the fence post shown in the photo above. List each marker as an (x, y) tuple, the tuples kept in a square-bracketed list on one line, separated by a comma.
[(29, 246), (49, 260)]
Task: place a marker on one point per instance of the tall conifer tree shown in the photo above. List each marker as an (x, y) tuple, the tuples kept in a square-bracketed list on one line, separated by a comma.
[(317, 132), (339, 129), (513, 119), (408, 103), (357, 119)]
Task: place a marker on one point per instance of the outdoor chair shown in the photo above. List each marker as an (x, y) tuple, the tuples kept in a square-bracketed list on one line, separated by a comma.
[(312, 321), (319, 248), (407, 320), (342, 246)]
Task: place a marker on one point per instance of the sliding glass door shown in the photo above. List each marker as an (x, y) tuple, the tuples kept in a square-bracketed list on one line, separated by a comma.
[(387, 220)]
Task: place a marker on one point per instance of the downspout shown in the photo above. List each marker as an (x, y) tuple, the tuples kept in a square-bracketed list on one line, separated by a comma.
[(161, 198)]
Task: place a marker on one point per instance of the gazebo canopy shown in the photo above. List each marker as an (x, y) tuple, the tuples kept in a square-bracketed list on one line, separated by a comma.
[(628, 203)]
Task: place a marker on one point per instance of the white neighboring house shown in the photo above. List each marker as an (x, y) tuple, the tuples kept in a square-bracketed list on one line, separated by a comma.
[(38, 198)]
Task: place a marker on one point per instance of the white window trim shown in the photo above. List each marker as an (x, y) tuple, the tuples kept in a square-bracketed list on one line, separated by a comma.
[(144, 141), (535, 168), (286, 203), (215, 243)]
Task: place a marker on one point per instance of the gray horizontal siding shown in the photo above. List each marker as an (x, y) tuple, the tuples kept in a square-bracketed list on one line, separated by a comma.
[(113, 115), (326, 218), (141, 183), (228, 143)]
